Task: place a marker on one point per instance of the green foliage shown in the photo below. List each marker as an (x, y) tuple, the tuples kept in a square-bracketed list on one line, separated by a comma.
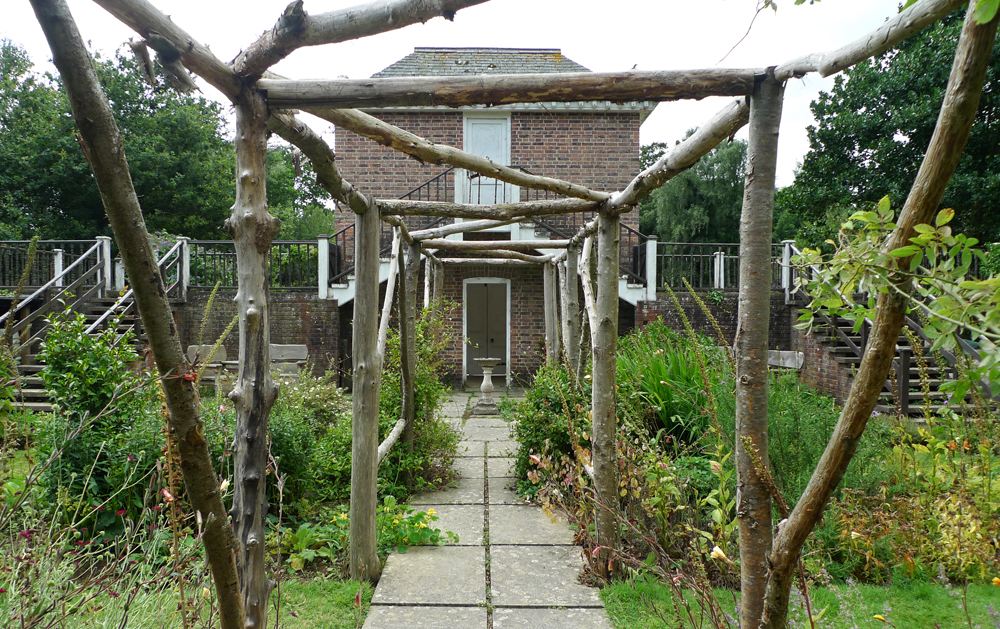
[(703, 203), (555, 406), (106, 429), (664, 389), (874, 126)]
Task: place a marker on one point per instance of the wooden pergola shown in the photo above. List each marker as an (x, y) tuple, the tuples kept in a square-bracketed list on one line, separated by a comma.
[(265, 102)]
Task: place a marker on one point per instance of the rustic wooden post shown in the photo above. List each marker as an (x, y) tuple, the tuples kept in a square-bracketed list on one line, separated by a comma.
[(367, 377), (408, 281), (390, 289), (438, 292), (428, 280), (252, 228), (551, 313), (103, 140), (571, 308), (753, 507), (605, 345)]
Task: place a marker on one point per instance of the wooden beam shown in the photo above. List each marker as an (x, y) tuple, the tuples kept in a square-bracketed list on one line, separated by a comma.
[(684, 155), (296, 28), (499, 212), (459, 228), (488, 262), (913, 20), (390, 289), (503, 89), (489, 245), (429, 152)]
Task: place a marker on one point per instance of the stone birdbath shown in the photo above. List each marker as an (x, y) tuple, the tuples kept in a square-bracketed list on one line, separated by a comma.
[(486, 405)]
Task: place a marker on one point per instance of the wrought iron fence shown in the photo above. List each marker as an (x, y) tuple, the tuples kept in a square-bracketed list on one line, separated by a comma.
[(293, 264), (706, 266), (50, 257)]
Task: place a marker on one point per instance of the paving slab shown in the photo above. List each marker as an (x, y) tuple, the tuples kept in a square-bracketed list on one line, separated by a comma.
[(539, 576), (396, 616), (470, 448), (528, 618), (469, 466), (500, 466), (468, 491), (502, 449), (502, 491), (525, 525), (466, 521), (481, 433), (434, 575), (486, 422)]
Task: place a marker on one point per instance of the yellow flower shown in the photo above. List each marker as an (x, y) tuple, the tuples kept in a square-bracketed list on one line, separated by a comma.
[(879, 617), (431, 511), (856, 535), (718, 554), (996, 581), (395, 520), (206, 593)]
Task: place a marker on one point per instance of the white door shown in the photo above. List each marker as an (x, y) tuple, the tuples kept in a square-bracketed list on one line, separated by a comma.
[(487, 137)]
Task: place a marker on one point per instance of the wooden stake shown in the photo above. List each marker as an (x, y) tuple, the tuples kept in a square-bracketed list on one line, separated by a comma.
[(604, 418), (571, 308), (551, 313), (367, 378), (390, 289), (754, 505), (408, 345)]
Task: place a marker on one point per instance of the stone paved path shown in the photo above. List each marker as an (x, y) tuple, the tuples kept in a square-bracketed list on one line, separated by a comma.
[(512, 567)]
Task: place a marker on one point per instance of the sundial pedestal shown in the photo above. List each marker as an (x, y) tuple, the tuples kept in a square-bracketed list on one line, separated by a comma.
[(486, 405)]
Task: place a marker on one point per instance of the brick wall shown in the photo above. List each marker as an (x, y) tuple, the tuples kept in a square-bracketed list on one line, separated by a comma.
[(725, 313), (819, 369), (527, 337), (297, 317), (597, 150)]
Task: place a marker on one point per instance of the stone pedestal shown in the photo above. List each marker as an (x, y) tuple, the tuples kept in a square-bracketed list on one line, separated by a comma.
[(486, 405)]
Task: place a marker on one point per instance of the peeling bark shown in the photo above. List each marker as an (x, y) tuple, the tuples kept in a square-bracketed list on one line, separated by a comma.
[(408, 281), (753, 508)]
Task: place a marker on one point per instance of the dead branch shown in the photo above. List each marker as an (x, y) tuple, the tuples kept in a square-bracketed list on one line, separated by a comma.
[(499, 212), (493, 245)]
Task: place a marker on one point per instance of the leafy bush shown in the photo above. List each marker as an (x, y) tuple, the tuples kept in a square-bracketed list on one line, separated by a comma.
[(106, 429)]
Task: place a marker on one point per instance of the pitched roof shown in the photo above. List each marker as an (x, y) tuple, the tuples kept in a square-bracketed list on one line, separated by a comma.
[(459, 61)]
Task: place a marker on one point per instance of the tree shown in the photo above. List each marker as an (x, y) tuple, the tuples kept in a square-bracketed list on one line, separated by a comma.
[(703, 204), (873, 128), (181, 160)]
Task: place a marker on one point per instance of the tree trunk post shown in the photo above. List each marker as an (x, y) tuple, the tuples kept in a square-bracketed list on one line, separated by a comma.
[(252, 228), (367, 378), (753, 508), (551, 313), (604, 429), (408, 281), (571, 308), (438, 292), (104, 144)]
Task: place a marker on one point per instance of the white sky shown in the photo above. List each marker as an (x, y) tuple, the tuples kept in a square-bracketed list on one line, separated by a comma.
[(603, 36)]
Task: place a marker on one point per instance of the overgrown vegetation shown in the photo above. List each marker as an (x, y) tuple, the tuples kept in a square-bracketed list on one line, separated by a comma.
[(95, 527), (915, 506)]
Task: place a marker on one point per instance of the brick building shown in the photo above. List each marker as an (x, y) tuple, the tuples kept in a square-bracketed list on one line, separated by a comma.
[(595, 144)]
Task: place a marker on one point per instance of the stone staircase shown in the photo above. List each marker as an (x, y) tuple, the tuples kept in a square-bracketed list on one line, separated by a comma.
[(903, 392), (32, 394)]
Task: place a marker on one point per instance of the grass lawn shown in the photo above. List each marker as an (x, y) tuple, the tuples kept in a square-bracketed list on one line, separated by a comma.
[(916, 605), (322, 603)]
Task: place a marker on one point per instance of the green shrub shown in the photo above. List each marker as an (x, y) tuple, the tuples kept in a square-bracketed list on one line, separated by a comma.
[(106, 428), (542, 420)]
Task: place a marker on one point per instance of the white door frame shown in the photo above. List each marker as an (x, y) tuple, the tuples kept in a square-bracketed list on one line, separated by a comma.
[(461, 195), (465, 319)]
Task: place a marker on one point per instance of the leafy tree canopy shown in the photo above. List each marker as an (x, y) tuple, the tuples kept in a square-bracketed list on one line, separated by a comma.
[(873, 129), (182, 161), (703, 203)]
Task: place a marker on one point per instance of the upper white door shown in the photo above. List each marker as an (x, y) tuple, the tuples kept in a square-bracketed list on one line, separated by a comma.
[(489, 137)]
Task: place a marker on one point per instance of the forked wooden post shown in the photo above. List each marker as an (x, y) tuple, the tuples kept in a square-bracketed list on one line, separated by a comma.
[(367, 377), (605, 345), (754, 505), (551, 313)]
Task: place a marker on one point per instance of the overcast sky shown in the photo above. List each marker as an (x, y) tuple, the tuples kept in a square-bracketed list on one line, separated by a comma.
[(603, 36)]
